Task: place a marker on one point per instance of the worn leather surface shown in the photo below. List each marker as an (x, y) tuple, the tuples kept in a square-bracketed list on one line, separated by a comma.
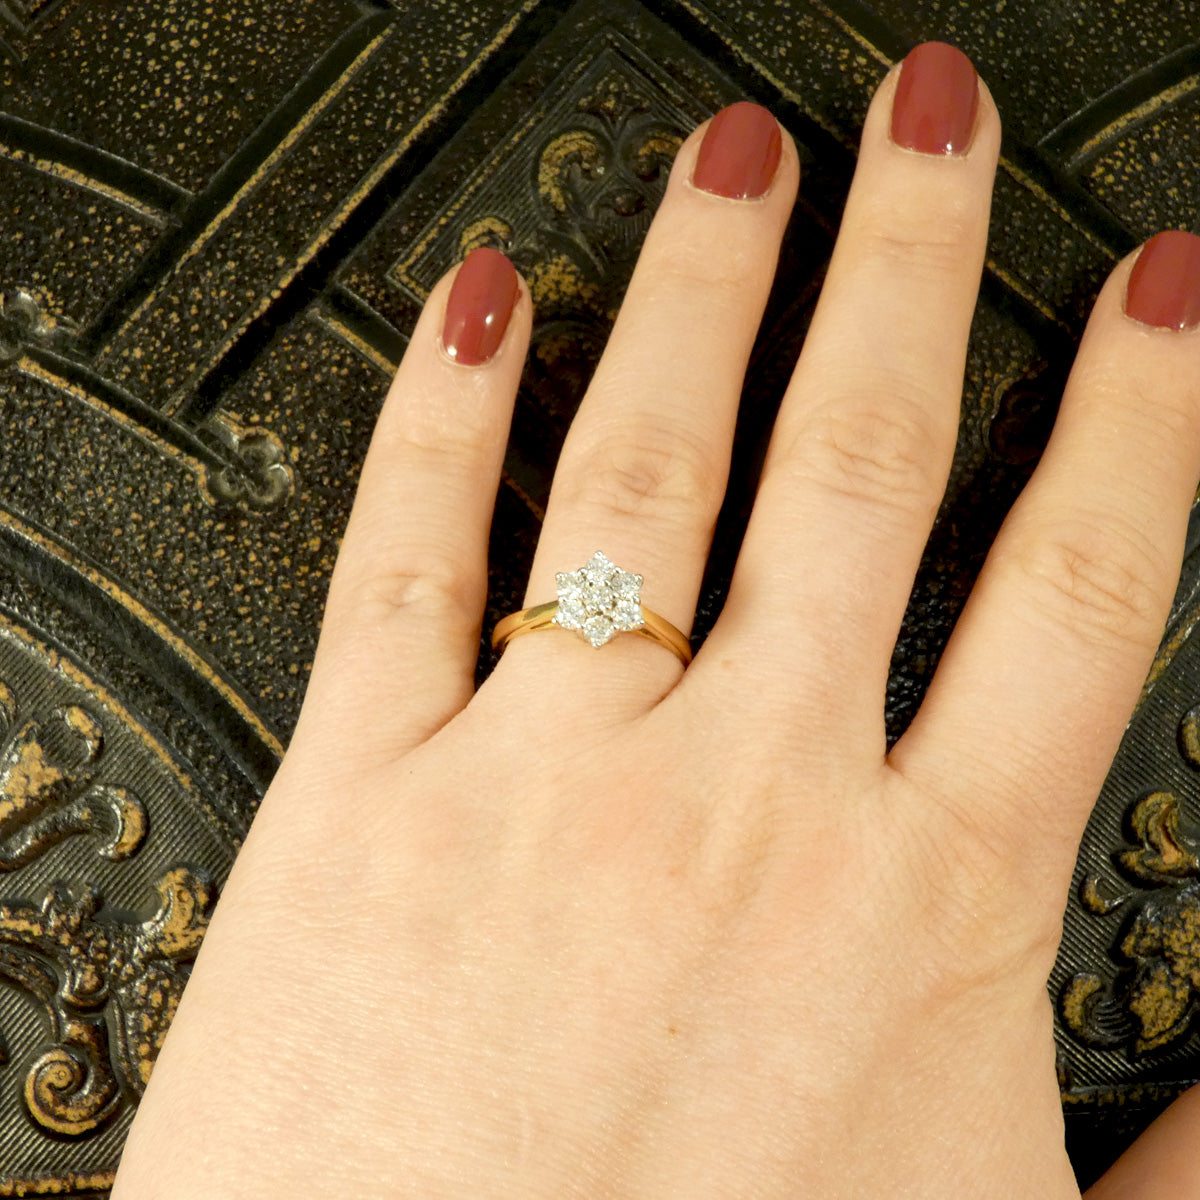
[(217, 224)]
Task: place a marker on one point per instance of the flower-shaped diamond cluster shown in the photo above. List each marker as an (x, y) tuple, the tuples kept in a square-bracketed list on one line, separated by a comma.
[(599, 600)]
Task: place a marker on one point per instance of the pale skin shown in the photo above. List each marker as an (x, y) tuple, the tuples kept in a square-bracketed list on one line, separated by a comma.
[(608, 928)]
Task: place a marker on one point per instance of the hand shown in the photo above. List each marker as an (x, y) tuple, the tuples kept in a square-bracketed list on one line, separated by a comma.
[(611, 929)]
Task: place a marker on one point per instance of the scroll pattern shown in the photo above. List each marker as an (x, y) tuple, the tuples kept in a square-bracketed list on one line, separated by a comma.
[(1150, 1003), (109, 986)]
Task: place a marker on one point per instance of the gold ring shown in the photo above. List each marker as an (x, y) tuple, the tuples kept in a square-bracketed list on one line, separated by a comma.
[(598, 601)]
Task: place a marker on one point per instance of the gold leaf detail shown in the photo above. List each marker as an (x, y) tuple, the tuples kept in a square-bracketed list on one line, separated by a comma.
[(1165, 852)]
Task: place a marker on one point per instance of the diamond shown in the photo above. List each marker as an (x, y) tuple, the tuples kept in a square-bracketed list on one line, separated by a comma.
[(627, 586), (598, 629), (599, 600), (571, 613), (598, 597), (627, 616), (600, 569)]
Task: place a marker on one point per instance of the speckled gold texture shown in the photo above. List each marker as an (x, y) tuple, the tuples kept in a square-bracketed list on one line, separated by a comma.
[(219, 222)]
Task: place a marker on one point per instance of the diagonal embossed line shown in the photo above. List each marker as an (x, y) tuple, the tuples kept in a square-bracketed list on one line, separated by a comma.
[(1171, 78), (22, 13), (700, 25), (401, 156), (198, 221), (383, 343), (873, 40), (12, 17), (28, 19), (148, 194), (202, 686), (125, 341), (102, 393)]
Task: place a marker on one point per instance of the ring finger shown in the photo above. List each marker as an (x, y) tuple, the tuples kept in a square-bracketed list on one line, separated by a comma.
[(644, 466)]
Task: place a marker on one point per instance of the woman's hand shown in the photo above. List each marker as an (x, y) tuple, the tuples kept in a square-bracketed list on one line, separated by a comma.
[(611, 929)]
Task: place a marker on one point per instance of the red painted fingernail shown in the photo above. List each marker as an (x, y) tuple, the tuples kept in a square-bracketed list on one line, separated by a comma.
[(740, 152), (481, 301), (937, 97), (1164, 285)]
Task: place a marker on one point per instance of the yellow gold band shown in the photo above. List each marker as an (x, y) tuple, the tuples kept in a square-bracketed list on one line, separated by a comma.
[(541, 616)]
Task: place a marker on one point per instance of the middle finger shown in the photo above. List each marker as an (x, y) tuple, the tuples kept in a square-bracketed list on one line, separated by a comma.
[(862, 447)]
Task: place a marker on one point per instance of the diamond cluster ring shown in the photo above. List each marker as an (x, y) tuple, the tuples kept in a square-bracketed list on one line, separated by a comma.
[(597, 602)]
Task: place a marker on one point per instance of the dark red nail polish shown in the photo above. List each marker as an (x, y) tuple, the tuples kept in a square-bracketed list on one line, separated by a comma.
[(740, 152), (937, 97), (481, 301), (1164, 285)]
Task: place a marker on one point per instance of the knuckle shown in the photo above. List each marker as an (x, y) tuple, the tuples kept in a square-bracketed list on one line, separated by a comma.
[(451, 424), (658, 474), (1103, 581), (935, 236), (880, 449), (1155, 416), (432, 592), (697, 267)]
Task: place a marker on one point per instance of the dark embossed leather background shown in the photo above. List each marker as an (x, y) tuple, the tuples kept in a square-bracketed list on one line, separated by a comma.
[(217, 224)]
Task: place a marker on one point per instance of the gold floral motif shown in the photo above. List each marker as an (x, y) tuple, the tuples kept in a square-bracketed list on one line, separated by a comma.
[(49, 789), (1166, 851), (23, 324), (598, 183), (110, 986), (1150, 1003), (259, 476), (104, 974)]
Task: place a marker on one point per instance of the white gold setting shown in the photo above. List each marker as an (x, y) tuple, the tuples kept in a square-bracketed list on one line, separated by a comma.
[(599, 600)]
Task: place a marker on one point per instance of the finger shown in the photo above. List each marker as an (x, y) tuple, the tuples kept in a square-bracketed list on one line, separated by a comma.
[(864, 439), (1039, 678), (1162, 1162), (643, 469), (401, 632)]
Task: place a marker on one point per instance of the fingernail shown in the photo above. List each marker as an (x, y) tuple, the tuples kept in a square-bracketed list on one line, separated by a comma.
[(937, 98), (1164, 285), (740, 152), (481, 302)]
